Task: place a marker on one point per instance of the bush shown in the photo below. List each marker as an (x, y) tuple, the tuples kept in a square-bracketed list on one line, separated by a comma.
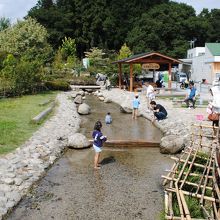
[(58, 85)]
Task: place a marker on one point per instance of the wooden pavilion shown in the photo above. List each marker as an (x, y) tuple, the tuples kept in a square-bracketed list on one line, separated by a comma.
[(151, 61)]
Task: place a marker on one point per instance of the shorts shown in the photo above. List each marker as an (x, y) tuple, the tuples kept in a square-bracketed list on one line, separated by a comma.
[(97, 149), (151, 96)]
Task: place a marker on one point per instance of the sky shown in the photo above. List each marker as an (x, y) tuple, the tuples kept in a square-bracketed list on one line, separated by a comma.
[(17, 9)]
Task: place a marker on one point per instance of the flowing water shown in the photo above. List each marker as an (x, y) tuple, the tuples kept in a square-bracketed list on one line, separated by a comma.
[(128, 186)]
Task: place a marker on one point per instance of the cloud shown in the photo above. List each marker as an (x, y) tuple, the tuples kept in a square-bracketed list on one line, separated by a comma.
[(200, 4), (15, 9)]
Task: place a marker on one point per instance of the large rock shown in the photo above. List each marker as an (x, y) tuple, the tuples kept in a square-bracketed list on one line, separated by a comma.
[(107, 100), (172, 144), (84, 109), (126, 107), (81, 92), (78, 140), (78, 99), (101, 98)]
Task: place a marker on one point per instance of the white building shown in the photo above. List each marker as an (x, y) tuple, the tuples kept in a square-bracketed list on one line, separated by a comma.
[(202, 63)]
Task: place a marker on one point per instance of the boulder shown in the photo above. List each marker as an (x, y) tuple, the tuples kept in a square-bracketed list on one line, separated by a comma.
[(81, 92), (107, 100), (78, 140), (73, 95), (126, 107), (78, 99), (172, 144), (100, 94), (101, 98), (84, 109)]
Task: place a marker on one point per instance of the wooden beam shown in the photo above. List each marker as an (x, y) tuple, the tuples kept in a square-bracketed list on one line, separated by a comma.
[(170, 80), (131, 77), (120, 75)]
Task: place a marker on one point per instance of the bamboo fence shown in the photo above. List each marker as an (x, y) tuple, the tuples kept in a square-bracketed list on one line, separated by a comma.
[(195, 175)]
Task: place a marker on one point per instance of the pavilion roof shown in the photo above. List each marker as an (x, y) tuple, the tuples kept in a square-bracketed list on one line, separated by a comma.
[(137, 57)]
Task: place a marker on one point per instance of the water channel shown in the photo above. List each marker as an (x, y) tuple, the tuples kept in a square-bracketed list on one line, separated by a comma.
[(128, 186)]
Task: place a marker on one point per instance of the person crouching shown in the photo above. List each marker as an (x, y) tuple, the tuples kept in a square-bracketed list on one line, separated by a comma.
[(159, 111)]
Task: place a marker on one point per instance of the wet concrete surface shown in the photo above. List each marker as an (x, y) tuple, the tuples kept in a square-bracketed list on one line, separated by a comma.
[(128, 185)]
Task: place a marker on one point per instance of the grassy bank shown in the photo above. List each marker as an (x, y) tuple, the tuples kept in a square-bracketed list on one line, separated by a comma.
[(15, 117)]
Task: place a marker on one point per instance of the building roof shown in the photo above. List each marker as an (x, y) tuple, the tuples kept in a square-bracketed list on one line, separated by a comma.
[(214, 48), (145, 55)]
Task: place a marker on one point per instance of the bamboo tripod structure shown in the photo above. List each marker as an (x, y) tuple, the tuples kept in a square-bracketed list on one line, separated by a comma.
[(195, 175)]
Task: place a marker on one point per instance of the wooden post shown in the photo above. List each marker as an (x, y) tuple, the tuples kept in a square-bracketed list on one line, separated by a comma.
[(120, 75), (170, 78), (131, 77)]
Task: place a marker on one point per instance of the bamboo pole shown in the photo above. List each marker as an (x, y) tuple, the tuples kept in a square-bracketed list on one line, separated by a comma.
[(204, 126), (204, 135), (186, 210), (216, 187), (190, 174), (206, 213), (211, 199), (188, 183), (179, 201), (179, 218), (190, 167), (181, 160), (166, 202), (205, 183), (203, 174)]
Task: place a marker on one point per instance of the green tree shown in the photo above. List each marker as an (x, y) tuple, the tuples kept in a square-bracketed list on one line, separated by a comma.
[(28, 50), (124, 52), (68, 47), (97, 60), (4, 23)]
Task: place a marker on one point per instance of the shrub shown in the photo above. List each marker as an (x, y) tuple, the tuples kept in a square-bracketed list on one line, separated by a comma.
[(58, 85)]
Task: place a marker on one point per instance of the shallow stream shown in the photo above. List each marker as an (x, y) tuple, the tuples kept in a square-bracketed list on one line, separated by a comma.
[(128, 186)]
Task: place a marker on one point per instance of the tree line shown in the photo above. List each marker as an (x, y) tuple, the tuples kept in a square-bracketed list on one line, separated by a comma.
[(145, 25)]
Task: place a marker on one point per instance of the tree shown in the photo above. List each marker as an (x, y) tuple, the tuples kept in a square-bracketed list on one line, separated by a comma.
[(4, 23), (124, 52), (25, 44), (97, 60)]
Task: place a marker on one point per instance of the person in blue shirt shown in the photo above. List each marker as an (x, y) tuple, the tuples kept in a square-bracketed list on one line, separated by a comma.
[(191, 97), (108, 118), (98, 141), (135, 105)]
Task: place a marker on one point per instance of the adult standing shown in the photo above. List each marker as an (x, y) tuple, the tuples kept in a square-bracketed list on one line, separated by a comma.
[(150, 93)]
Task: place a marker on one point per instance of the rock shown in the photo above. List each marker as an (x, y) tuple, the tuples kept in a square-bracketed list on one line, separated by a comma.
[(100, 94), (78, 99), (78, 141), (172, 144), (101, 98), (13, 196), (126, 107), (83, 97), (8, 181), (81, 92), (107, 100), (84, 109), (73, 95)]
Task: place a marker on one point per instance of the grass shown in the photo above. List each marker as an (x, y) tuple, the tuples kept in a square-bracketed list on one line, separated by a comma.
[(15, 117)]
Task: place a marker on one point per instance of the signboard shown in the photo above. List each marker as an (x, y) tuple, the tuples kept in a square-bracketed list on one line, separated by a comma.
[(86, 62), (152, 66)]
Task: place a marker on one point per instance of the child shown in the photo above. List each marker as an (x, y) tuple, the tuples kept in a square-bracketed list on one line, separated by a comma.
[(136, 104), (99, 139), (108, 118)]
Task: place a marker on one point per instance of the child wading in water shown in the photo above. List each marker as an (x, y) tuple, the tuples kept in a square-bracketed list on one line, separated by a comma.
[(135, 104), (108, 118), (99, 139)]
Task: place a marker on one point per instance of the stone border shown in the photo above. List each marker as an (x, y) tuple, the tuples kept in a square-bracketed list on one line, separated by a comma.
[(176, 128), (20, 169)]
